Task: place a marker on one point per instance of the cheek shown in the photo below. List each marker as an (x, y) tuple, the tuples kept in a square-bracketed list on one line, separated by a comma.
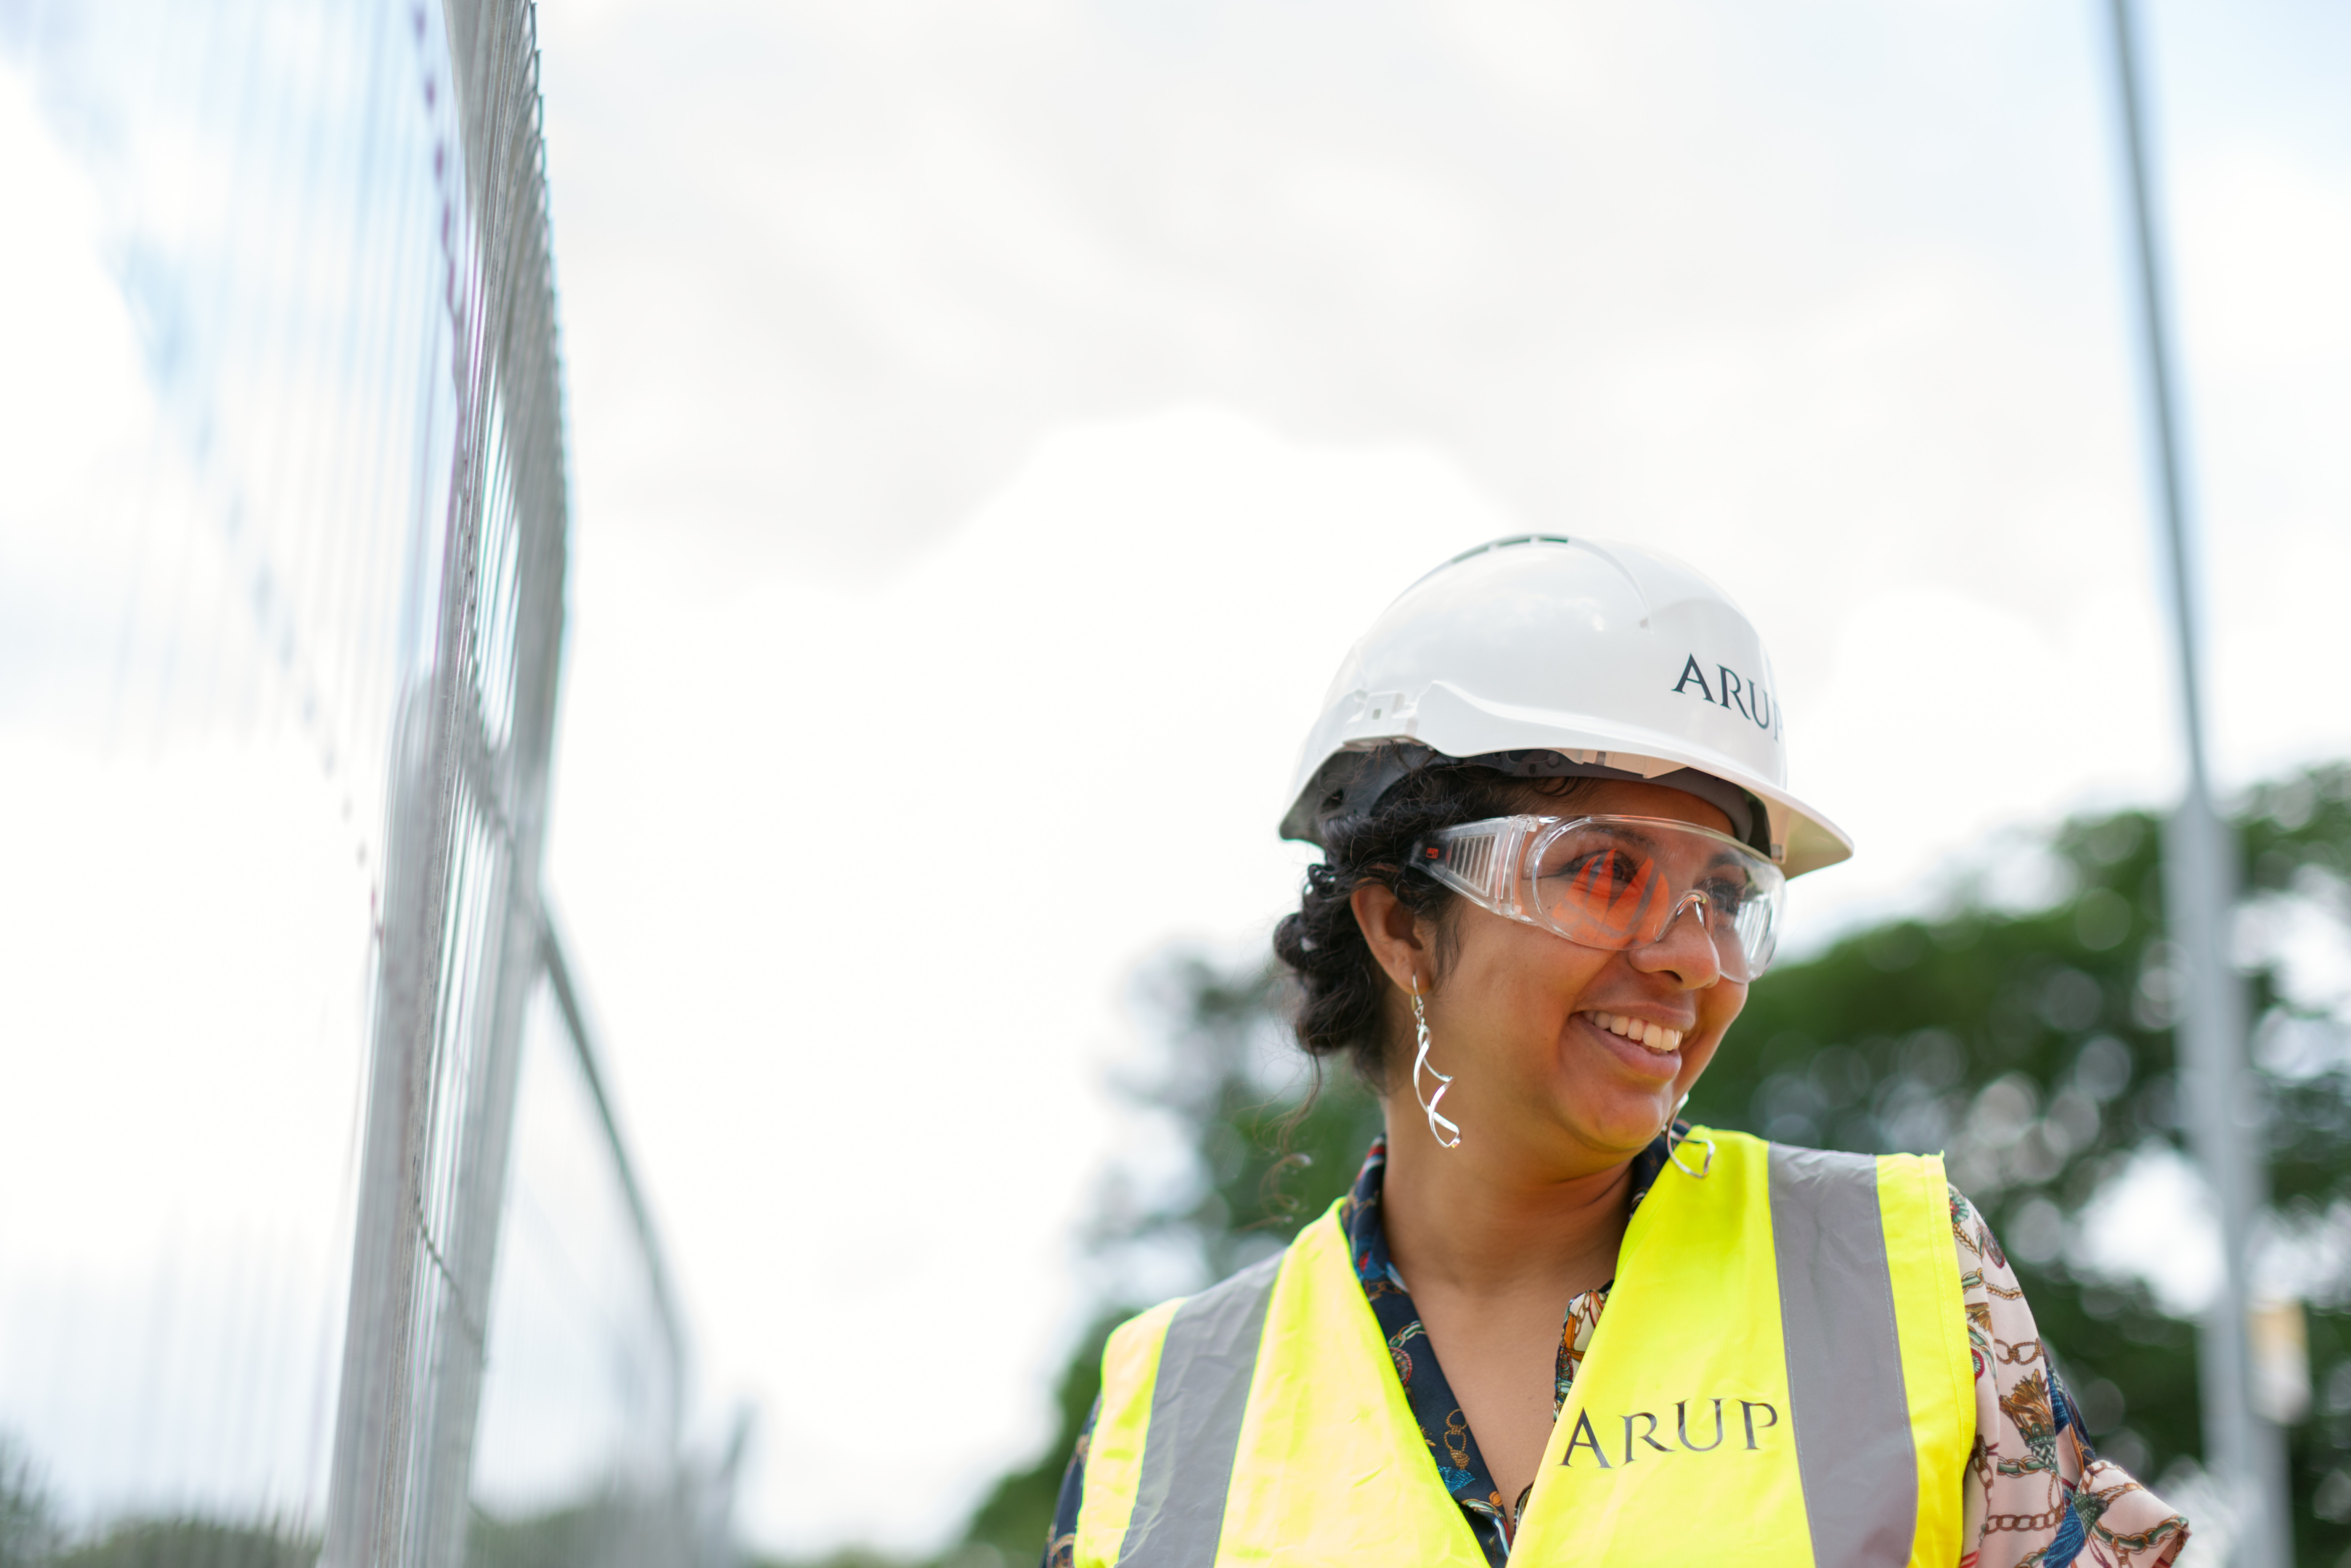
[(1521, 981)]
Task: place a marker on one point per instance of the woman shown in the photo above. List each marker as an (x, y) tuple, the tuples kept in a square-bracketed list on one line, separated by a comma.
[(1552, 1322)]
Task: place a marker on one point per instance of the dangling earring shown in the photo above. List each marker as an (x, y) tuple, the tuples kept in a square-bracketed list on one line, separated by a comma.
[(1674, 1148), (1420, 1060)]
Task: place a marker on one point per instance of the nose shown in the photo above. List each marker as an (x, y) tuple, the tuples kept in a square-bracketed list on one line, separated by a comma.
[(1684, 948)]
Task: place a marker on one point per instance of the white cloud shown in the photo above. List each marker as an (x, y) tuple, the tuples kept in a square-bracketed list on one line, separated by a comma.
[(184, 954), (991, 425), (1813, 305), (873, 970), (2153, 1222)]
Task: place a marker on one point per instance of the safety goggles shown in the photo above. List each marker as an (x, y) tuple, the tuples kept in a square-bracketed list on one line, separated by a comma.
[(1616, 882)]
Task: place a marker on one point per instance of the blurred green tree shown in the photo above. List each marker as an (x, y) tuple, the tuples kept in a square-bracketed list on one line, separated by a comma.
[(190, 1540), (2025, 1030), (1263, 1146), (603, 1528), (32, 1536), (28, 1523)]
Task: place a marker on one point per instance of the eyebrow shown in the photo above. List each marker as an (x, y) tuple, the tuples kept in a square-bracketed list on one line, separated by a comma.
[(1723, 855)]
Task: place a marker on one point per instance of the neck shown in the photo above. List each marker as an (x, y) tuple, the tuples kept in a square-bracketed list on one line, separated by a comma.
[(1481, 1221)]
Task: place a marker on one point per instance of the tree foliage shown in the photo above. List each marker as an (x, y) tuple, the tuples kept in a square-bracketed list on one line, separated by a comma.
[(1268, 1150), (33, 1536), (28, 1524), (192, 1541)]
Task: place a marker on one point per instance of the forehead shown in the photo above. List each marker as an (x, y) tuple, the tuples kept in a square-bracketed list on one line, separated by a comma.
[(1627, 797)]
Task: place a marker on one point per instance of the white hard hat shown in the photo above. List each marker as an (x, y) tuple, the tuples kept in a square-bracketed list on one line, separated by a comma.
[(1550, 656)]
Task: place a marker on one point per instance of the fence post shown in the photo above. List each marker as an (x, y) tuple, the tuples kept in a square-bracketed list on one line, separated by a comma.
[(461, 945)]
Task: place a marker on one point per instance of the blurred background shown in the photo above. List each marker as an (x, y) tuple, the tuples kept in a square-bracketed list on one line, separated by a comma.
[(996, 420)]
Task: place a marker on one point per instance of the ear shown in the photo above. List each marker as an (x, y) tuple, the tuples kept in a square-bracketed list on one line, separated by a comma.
[(1395, 936)]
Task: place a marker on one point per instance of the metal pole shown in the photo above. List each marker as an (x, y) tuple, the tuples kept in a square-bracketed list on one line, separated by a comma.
[(586, 1052), (2245, 1452)]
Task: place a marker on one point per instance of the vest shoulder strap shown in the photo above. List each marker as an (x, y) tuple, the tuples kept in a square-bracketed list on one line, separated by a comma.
[(1808, 1302), (1838, 1321), (1175, 1385)]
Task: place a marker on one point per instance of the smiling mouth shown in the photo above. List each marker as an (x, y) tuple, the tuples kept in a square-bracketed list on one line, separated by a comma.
[(1648, 1035)]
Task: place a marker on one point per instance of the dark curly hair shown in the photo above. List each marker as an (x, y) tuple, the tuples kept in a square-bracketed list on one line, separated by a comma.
[(1340, 986)]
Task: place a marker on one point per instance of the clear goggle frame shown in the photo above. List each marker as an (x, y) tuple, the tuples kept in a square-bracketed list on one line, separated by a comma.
[(1615, 883)]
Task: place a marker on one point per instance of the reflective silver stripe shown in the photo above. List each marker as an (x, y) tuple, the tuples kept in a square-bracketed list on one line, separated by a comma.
[(1205, 1365), (1850, 1411)]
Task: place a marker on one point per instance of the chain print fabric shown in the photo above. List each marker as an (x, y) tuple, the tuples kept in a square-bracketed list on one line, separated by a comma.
[(2038, 1495)]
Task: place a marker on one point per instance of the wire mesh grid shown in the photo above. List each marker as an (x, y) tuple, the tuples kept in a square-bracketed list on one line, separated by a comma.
[(302, 603)]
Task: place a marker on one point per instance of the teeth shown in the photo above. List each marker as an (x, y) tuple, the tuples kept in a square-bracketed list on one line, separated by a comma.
[(1653, 1037)]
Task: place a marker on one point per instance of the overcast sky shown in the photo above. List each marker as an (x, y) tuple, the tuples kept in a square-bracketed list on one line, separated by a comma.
[(991, 423), (996, 422)]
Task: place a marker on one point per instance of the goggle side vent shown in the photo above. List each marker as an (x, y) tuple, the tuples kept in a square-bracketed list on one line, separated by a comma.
[(1472, 860)]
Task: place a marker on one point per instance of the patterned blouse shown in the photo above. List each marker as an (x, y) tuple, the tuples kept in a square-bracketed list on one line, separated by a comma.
[(2038, 1496)]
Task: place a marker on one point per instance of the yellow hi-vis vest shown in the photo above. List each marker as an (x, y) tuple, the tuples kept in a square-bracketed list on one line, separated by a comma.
[(1781, 1377)]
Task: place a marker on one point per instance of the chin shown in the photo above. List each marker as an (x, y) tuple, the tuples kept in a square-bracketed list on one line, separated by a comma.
[(1628, 1133)]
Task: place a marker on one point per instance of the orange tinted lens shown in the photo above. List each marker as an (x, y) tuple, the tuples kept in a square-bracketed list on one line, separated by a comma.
[(1604, 893), (1619, 884)]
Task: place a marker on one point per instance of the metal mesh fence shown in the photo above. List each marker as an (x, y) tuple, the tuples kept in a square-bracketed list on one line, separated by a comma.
[(460, 921), (282, 570), (578, 1448)]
